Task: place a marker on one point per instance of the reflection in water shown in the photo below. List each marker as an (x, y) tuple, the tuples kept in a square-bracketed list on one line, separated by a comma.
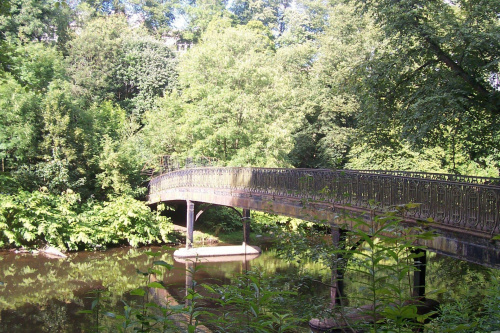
[(44, 295), (40, 294)]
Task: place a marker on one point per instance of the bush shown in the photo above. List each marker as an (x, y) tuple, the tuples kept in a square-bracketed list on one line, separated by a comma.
[(63, 221), (219, 218)]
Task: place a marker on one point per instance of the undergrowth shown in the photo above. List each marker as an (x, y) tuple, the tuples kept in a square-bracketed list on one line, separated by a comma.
[(32, 219)]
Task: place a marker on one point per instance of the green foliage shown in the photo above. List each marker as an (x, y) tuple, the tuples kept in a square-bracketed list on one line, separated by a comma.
[(7, 184), (28, 219), (150, 316), (18, 118), (386, 258), (464, 314), (148, 71), (233, 105), (265, 223), (400, 156), (94, 55), (122, 219), (269, 12), (110, 61), (253, 302), (55, 161), (249, 304), (40, 20), (378, 257), (120, 167), (36, 65), (198, 16), (220, 219), (439, 88), (329, 124)]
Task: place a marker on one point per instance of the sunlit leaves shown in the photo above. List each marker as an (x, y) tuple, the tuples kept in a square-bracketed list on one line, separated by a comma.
[(234, 104), (61, 222), (431, 84)]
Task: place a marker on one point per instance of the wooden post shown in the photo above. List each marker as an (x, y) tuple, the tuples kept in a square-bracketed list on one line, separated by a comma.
[(420, 264), (189, 224), (246, 226)]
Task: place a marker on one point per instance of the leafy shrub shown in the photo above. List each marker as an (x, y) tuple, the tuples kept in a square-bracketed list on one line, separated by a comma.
[(463, 315), (29, 218), (219, 219), (266, 222)]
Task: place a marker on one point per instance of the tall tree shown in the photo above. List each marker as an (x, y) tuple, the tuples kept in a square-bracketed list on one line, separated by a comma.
[(198, 14), (34, 67), (269, 12), (156, 15), (235, 103), (110, 61), (331, 107), (4, 46), (436, 82), (36, 20)]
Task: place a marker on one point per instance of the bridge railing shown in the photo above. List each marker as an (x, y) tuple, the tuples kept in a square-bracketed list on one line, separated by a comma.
[(448, 201), (435, 176)]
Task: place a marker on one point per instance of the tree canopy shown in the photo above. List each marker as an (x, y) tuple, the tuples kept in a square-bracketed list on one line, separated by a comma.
[(92, 91)]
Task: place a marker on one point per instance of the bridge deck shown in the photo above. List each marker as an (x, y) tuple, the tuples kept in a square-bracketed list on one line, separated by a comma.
[(464, 210)]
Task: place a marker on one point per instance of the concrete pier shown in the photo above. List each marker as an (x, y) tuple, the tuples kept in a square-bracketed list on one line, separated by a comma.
[(218, 251)]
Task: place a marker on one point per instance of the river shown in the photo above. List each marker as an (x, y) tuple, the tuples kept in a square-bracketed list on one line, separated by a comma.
[(41, 294)]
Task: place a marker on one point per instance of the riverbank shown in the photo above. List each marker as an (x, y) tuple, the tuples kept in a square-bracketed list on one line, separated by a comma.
[(210, 238)]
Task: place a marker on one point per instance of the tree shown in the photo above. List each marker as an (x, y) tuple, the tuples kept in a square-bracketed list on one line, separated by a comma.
[(94, 56), (198, 15), (156, 15), (148, 71), (36, 20), (303, 22), (331, 109), (234, 101), (269, 12), (18, 120), (435, 82), (34, 67), (110, 61)]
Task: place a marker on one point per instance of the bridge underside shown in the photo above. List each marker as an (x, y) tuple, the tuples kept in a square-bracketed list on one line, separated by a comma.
[(458, 243)]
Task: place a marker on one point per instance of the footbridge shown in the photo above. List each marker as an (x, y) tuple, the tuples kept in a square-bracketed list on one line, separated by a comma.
[(464, 211)]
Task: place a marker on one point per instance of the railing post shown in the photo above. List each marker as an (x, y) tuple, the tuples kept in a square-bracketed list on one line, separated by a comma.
[(189, 223), (246, 226)]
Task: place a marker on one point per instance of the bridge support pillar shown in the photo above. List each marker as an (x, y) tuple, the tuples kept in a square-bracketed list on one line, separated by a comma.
[(246, 226), (189, 224), (337, 280), (420, 263)]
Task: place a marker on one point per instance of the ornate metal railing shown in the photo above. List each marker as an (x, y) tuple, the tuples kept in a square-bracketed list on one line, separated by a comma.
[(168, 163), (172, 163), (471, 203)]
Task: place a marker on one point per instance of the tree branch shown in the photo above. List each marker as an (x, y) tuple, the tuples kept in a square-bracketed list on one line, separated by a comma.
[(445, 58)]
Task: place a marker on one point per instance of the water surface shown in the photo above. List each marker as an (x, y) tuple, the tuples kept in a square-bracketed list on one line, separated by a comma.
[(41, 294)]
